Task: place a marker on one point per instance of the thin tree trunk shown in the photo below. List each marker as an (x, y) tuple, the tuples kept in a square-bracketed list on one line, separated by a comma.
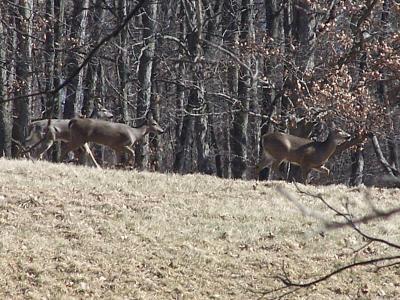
[(201, 120), (56, 41), (123, 65), (50, 53), (91, 78), (195, 123), (11, 58), (240, 116), (214, 144), (381, 158), (72, 61), (231, 38), (181, 118), (82, 41), (272, 104), (383, 94), (181, 124), (23, 70), (357, 168), (302, 27), (5, 107), (145, 72), (155, 147)]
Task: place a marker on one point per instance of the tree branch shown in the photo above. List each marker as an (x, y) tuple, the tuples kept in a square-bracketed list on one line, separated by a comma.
[(90, 55)]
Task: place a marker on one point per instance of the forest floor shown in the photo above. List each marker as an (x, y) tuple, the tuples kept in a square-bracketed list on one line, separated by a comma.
[(78, 232)]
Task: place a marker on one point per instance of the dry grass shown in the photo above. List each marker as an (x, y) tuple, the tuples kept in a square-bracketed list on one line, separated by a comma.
[(76, 232)]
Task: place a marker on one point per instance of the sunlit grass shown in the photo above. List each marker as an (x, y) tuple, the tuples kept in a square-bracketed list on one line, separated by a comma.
[(81, 232)]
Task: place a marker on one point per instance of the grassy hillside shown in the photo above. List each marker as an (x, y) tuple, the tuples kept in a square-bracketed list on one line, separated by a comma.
[(78, 232)]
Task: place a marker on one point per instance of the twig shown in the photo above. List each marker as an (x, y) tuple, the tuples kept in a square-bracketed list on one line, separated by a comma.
[(290, 283), (90, 55), (352, 223)]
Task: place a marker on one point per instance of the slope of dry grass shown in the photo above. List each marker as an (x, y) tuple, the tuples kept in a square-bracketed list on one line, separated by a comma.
[(76, 232)]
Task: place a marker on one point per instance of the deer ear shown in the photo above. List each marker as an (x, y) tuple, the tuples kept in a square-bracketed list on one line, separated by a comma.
[(331, 124), (149, 117)]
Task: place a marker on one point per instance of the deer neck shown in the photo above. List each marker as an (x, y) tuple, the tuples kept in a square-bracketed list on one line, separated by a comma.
[(142, 130), (330, 143)]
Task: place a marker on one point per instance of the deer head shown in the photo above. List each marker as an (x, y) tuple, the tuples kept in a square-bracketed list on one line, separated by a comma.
[(153, 126)]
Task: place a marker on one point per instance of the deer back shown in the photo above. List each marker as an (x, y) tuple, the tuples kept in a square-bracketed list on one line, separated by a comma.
[(282, 146), (115, 135), (301, 151)]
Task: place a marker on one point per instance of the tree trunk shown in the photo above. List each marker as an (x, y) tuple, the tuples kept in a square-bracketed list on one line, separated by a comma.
[(382, 91), (50, 53), (302, 25), (381, 158), (195, 123), (357, 168), (123, 65), (56, 33), (272, 104), (23, 71), (182, 120), (81, 45), (214, 143), (231, 38), (240, 115), (91, 78), (145, 72), (201, 119), (73, 60), (5, 107), (155, 147)]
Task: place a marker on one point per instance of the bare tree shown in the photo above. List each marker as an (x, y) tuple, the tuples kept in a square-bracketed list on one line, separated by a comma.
[(5, 107), (73, 59), (144, 75), (23, 22), (240, 117), (123, 65)]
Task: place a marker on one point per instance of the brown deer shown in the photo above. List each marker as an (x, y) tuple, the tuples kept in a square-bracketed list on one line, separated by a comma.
[(120, 137), (308, 154), (57, 130)]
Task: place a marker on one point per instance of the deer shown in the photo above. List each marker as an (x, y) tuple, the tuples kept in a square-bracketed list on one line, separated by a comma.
[(118, 136), (304, 152), (48, 132)]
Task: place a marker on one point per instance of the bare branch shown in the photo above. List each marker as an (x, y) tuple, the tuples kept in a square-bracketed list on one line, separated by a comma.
[(391, 170), (289, 283), (90, 55), (352, 223)]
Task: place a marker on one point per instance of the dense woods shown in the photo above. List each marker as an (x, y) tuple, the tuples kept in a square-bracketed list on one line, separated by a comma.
[(216, 74)]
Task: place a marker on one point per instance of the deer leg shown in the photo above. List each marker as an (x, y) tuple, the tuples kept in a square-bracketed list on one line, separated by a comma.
[(131, 154), (323, 169), (47, 146), (50, 137), (68, 148), (304, 173), (275, 168), (117, 157), (263, 163), (88, 151)]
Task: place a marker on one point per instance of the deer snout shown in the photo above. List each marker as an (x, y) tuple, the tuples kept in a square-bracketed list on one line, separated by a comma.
[(107, 114), (159, 130), (344, 135)]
